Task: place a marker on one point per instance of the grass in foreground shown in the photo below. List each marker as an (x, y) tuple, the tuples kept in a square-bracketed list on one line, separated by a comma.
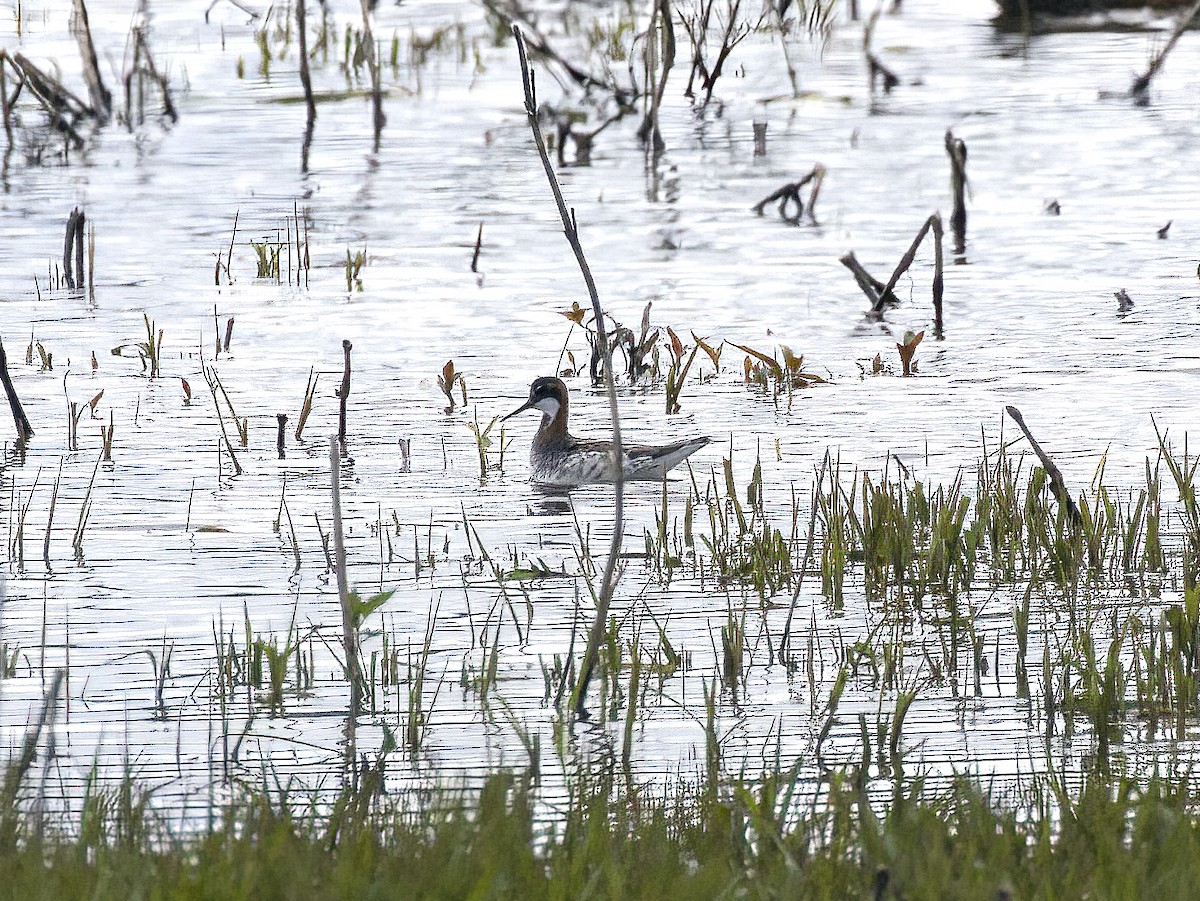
[(1112, 839)]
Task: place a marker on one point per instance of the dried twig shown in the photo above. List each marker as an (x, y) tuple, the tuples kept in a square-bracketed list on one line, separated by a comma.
[(1057, 485), (98, 94), (876, 70), (659, 58), (378, 119), (537, 44), (910, 255), (957, 150), (143, 67), (64, 108), (608, 580), (344, 390), (870, 286), (883, 296), (478, 249), (790, 194), (24, 429), (1141, 84), (74, 240)]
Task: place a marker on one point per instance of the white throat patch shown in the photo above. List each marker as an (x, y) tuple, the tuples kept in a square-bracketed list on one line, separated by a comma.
[(548, 405)]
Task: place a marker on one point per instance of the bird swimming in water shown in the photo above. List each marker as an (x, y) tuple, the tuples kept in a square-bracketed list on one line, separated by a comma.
[(562, 460)]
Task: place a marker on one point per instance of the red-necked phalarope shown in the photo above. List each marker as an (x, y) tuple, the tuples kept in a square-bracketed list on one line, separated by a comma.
[(560, 459)]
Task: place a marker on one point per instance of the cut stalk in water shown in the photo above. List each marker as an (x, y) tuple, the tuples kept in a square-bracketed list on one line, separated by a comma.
[(872, 287), (909, 256), (876, 70), (789, 194), (98, 94), (378, 119), (478, 248), (63, 108), (310, 105), (608, 580), (5, 107), (1141, 84), (1057, 485), (344, 390), (73, 240), (659, 59), (956, 148), (24, 429), (141, 69), (106, 438), (281, 420)]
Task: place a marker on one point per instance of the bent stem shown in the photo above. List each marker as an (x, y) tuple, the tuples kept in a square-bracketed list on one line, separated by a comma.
[(609, 578)]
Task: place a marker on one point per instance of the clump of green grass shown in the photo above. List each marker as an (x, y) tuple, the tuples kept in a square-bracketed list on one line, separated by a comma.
[(767, 836)]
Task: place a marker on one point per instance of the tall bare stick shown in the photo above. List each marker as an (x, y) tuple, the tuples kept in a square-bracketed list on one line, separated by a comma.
[(609, 579)]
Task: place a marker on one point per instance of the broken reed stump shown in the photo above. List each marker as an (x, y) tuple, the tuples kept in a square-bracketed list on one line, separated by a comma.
[(1141, 84), (24, 429), (143, 67), (478, 249), (957, 150), (760, 138), (658, 58), (5, 109), (378, 119), (310, 104), (101, 99), (228, 334), (344, 390), (74, 239), (64, 109), (872, 287), (584, 140), (281, 419), (876, 70), (933, 223), (938, 285), (881, 295), (1057, 486), (879, 72), (790, 194)]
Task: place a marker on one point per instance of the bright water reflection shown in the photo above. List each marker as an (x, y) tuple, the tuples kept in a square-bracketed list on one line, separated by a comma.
[(181, 557)]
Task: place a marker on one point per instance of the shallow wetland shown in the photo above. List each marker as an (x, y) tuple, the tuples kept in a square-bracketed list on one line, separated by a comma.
[(865, 580)]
